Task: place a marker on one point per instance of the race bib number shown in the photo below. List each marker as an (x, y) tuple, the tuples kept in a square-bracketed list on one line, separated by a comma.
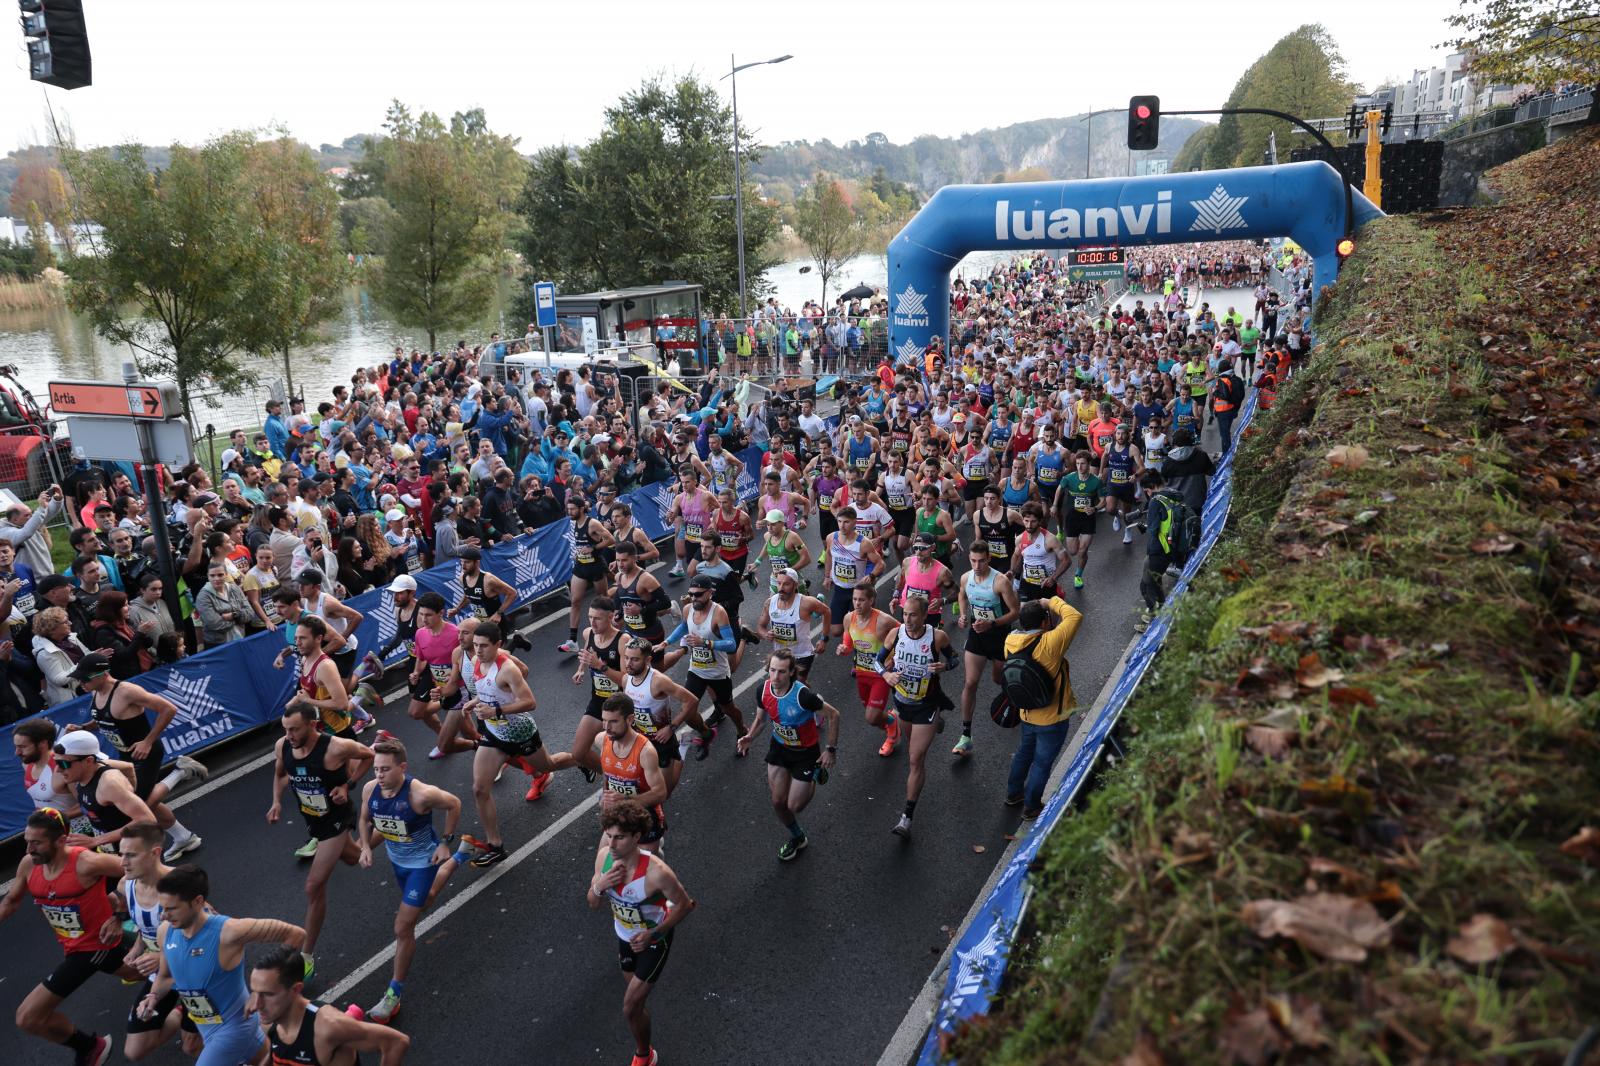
[(65, 921), (1083, 504), (862, 462), (497, 721), (785, 633), (982, 614), (844, 573), (865, 659), (1119, 476), (629, 916), (1033, 573), (622, 787), (692, 530), (700, 655), (730, 539), (440, 671), (199, 1007), (413, 562), (899, 501), (787, 735), (1000, 549), (633, 616), (643, 722), (269, 607), (1049, 475), (312, 803), (116, 740), (913, 593), (391, 828), (585, 555), (912, 686), (479, 611), (977, 471), (602, 683)]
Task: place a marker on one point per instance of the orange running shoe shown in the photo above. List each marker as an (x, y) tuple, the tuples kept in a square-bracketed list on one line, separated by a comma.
[(537, 786), (891, 736)]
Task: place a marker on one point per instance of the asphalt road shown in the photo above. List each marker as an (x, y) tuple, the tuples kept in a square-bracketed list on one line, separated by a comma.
[(810, 961)]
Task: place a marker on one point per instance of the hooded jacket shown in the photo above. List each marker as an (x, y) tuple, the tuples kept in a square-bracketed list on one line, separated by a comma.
[(1188, 471)]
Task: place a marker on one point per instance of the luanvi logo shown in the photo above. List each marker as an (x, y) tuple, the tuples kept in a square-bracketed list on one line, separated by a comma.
[(911, 308), (1069, 223), (909, 352), (1219, 211)]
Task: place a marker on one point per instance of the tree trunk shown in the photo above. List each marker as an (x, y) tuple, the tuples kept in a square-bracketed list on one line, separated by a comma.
[(288, 372)]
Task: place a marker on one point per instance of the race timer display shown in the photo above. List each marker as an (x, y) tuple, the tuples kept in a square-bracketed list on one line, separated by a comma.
[(1094, 257)]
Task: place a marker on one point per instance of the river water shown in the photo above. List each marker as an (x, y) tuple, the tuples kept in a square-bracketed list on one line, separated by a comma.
[(57, 344)]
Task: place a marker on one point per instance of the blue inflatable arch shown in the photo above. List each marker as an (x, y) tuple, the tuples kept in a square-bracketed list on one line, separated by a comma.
[(1302, 201)]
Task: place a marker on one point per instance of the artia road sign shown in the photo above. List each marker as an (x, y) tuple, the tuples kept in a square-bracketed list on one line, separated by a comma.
[(142, 399)]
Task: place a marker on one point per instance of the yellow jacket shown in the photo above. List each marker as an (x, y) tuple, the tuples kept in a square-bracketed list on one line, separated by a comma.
[(1050, 652)]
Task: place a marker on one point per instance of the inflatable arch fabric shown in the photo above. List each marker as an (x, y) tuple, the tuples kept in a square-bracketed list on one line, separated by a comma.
[(1302, 201)]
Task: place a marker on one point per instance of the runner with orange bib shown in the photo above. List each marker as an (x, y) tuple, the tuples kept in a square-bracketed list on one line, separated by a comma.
[(864, 632)]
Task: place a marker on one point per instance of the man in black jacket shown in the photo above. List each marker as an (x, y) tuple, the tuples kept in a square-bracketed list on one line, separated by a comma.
[(1187, 470)]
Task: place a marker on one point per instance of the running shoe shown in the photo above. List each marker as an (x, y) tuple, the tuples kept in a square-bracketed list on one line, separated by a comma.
[(567, 647), (374, 667), (676, 571), (700, 743), (384, 734), (1116, 523), (645, 1060), (1077, 581), (1014, 801), (716, 717), (790, 849), (588, 774), (192, 769), (435, 753), (1127, 536), (359, 725), (1030, 813), (101, 1051), (963, 746), (524, 765), (536, 787), (383, 1012), (891, 737), (520, 642), (498, 774), (306, 850), (748, 635), (184, 846), (493, 854), (310, 964), (354, 1010), (902, 828)]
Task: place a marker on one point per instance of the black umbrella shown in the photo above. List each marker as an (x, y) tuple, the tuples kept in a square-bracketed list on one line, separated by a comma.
[(860, 292)]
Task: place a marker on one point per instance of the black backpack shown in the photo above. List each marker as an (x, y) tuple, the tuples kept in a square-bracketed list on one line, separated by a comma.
[(1186, 529), (1025, 681)]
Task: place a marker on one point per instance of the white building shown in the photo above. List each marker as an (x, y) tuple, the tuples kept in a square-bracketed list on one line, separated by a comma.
[(16, 231)]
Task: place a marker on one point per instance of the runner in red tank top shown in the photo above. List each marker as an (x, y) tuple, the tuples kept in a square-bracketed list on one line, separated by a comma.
[(69, 886)]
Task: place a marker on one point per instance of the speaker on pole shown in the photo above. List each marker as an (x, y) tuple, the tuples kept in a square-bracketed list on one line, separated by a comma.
[(58, 42)]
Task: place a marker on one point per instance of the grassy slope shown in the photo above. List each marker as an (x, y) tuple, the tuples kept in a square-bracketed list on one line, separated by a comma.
[(1434, 782)]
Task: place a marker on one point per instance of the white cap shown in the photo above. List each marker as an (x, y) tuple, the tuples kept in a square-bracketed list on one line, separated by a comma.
[(789, 572), (776, 515), (228, 456), (80, 744), (403, 583), (394, 515)]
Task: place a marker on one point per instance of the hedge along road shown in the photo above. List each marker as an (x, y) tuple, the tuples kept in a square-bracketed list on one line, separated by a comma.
[(512, 962)]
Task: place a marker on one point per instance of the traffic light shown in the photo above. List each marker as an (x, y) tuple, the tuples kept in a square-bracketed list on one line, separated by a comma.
[(1345, 248), (1144, 123), (58, 42)]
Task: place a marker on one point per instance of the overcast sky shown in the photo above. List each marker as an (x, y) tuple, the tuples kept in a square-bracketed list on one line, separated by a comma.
[(544, 71)]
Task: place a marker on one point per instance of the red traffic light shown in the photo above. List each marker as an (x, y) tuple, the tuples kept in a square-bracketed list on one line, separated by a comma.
[(1143, 111), (1345, 248)]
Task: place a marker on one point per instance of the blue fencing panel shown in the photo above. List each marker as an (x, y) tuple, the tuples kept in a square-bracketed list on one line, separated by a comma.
[(978, 964)]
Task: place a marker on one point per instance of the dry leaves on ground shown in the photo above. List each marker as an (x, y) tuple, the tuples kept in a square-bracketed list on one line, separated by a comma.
[(1312, 674), (1269, 742), (1584, 845), (1483, 938), (1329, 924), (1348, 457)]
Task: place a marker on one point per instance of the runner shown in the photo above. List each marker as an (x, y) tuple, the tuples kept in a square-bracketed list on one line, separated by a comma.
[(398, 809), (925, 579), (998, 526), (902, 506), (919, 653), (589, 569), (647, 903), (202, 958), (105, 796), (988, 606), (632, 768), (120, 710), (733, 530), (978, 461), (851, 559), (1121, 466), (1047, 460), (31, 741), (783, 549), (600, 660), (136, 901), (303, 1033), (796, 762), (707, 637), (484, 596), (933, 525), (864, 633), (432, 644), (640, 599), (691, 513), (320, 767), (825, 485), (68, 883), (729, 594), (1082, 504), (623, 529), (403, 601), (785, 620), (503, 705), (859, 447), (872, 518), (340, 618), (649, 690), (1040, 560)]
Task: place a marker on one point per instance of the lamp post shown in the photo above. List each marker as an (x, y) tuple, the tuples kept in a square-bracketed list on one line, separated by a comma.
[(738, 170), (1088, 135)]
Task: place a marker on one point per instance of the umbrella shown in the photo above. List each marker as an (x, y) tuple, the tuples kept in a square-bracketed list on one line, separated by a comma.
[(860, 292)]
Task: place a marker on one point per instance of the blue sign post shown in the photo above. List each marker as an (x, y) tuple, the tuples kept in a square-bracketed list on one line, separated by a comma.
[(544, 303)]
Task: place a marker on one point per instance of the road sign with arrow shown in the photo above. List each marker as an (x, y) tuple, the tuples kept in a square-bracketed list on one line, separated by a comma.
[(140, 399)]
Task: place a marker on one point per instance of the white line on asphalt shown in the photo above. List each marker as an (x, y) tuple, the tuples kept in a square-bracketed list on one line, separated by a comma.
[(555, 829)]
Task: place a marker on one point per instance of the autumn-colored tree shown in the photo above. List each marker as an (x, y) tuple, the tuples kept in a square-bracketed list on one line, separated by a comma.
[(1545, 43), (40, 183), (832, 231)]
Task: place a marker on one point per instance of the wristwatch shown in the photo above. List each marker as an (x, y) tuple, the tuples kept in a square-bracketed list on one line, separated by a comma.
[(450, 838), (832, 749)]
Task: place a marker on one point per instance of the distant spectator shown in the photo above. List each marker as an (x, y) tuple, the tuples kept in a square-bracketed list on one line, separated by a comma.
[(148, 613), (221, 607), (58, 651), (131, 652)]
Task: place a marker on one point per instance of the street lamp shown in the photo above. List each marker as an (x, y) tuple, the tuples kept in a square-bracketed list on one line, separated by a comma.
[(738, 170), (1088, 135)]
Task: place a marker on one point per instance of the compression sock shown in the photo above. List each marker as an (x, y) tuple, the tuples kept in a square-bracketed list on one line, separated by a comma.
[(173, 780), (795, 830), (911, 808), (572, 635), (397, 987), (80, 1042), (180, 831)]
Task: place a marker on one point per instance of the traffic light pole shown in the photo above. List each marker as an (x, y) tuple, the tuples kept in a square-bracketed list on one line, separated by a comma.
[(1338, 161)]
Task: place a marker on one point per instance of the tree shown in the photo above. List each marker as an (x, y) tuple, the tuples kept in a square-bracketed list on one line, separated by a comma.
[(364, 224), (298, 290), (449, 187), (827, 222), (39, 238), (1543, 42), (635, 206), (1302, 74), (178, 260), (1193, 153), (39, 182)]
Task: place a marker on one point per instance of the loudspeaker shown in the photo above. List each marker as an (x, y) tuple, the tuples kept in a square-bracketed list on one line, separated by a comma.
[(58, 43)]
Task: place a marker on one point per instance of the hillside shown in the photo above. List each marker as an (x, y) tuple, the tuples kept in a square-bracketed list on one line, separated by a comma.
[(1356, 821), (1054, 146)]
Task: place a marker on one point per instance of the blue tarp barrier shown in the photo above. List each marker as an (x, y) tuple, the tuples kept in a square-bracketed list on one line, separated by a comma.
[(978, 964), (226, 690)]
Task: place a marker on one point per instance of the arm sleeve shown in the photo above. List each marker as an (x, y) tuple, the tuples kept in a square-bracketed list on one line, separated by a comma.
[(659, 601), (726, 640), (678, 633)]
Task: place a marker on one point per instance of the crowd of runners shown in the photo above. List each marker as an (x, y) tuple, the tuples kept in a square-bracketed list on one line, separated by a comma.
[(960, 503)]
